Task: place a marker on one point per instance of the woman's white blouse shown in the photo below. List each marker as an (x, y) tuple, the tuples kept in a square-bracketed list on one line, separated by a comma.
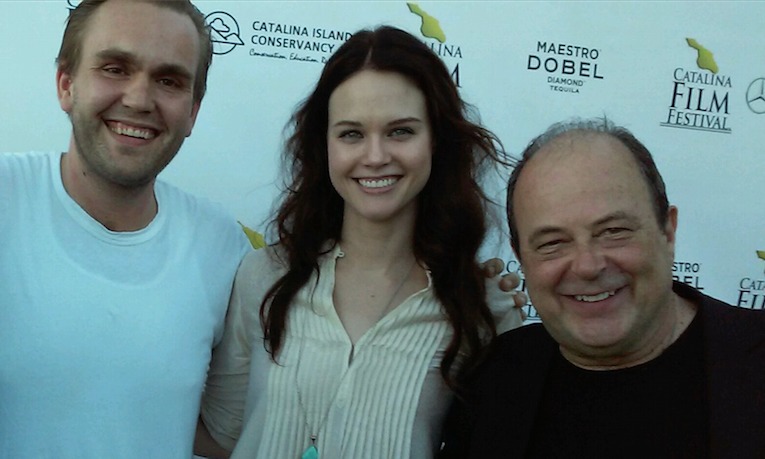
[(382, 398)]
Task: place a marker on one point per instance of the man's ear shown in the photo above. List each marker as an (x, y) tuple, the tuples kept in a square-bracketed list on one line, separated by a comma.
[(670, 228), (64, 90)]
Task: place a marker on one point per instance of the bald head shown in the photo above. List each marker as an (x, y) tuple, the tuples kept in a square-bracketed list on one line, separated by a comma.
[(580, 129)]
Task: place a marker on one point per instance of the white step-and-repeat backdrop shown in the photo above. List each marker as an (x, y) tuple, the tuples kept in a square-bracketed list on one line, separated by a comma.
[(688, 78)]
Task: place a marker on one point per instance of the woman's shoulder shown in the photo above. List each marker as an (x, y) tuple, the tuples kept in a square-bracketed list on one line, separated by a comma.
[(271, 257), (265, 265)]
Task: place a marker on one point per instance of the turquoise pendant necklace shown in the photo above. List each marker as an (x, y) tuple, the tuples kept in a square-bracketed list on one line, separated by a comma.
[(311, 452)]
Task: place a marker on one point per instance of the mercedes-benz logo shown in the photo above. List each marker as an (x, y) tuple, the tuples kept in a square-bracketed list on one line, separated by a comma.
[(755, 96)]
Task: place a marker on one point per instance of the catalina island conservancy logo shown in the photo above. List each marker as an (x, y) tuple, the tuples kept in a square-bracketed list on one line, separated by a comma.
[(224, 32), (273, 39), (700, 96), (430, 28), (568, 67)]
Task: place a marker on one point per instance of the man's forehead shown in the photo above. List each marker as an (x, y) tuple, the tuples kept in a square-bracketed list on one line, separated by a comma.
[(578, 142), (577, 164), (580, 147), (145, 24)]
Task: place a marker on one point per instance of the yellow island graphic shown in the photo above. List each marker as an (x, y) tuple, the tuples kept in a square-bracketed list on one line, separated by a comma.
[(705, 59), (430, 27), (256, 239), (761, 254)]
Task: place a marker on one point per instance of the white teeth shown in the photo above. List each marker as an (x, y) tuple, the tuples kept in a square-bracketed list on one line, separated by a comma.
[(133, 132), (593, 298), (377, 183)]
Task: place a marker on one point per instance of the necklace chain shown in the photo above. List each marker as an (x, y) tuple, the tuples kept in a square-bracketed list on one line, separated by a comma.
[(388, 305), (314, 434)]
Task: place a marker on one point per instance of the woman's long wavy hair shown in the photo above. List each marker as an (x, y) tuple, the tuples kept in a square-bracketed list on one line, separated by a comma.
[(450, 221)]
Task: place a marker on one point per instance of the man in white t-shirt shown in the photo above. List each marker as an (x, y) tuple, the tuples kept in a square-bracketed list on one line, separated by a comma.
[(113, 285)]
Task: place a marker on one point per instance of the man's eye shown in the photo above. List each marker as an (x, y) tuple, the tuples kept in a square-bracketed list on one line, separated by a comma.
[(170, 82), (549, 246), (114, 70), (615, 232)]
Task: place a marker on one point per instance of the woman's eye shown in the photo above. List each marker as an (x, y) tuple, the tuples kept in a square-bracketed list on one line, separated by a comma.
[(350, 136), (401, 131)]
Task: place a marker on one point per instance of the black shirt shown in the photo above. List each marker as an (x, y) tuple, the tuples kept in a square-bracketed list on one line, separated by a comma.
[(654, 410)]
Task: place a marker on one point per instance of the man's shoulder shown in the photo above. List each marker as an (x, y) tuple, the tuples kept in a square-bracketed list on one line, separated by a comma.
[(726, 327), (25, 175), (717, 307), (515, 357), (202, 209), (169, 191), (25, 161), (518, 347), (719, 312), (26, 155), (739, 321), (525, 336), (203, 216)]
